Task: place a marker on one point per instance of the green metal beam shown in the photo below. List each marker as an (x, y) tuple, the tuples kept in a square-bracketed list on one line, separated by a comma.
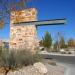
[(43, 22)]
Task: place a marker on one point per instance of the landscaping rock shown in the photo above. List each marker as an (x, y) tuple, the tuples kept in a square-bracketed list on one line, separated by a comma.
[(2, 74), (29, 70), (40, 67), (2, 71)]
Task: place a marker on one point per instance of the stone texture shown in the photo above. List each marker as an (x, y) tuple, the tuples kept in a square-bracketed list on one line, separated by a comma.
[(30, 70), (2, 71), (23, 36), (40, 67), (2, 74)]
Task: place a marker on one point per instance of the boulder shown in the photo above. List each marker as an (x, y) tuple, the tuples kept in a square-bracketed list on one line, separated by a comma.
[(40, 67), (2, 71), (15, 73), (29, 70)]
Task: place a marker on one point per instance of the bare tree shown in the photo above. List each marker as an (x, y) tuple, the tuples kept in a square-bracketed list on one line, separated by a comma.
[(6, 6)]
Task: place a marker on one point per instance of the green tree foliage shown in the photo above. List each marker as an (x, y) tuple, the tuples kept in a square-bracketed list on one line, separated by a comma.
[(47, 40), (62, 43)]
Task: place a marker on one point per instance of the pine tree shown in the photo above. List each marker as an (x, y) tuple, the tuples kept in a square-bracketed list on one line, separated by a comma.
[(47, 40), (62, 43)]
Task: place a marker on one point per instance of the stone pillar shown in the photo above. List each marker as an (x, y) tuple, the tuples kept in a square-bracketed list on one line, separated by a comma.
[(23, 37)]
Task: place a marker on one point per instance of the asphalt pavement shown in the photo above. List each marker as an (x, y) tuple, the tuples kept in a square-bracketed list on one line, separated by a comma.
[(67, 61)]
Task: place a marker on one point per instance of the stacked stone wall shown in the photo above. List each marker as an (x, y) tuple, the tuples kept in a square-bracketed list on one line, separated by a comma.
[(23, 37)]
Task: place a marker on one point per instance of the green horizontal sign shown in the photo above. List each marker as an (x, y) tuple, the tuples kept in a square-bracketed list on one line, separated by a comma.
[(43, 22)]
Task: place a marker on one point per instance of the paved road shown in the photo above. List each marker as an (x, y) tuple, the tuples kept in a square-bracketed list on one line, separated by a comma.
[(67, 61), (70, 68)]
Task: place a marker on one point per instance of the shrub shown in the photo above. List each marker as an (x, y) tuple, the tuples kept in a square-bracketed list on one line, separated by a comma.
[(25, 58), (63, 52), (20, 58), (69, 53), (12, 60), (0, 50), (8, 60)]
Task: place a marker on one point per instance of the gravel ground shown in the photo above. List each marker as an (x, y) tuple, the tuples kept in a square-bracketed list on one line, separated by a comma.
[(55, 70)]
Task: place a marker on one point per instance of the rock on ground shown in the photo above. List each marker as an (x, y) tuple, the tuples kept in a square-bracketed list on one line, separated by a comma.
[(2, 74), (40, 67), (30, 70)]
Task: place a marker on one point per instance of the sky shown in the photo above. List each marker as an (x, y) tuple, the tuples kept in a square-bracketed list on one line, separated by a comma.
[(51, 9)]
